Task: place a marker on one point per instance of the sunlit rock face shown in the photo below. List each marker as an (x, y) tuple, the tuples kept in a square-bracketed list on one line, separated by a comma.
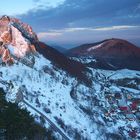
[(16, 39)]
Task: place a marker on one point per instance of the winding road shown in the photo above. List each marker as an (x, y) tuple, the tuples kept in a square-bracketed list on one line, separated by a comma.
[(52, 125)]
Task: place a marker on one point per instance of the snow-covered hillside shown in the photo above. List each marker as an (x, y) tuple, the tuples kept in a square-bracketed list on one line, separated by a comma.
[(48, 91), (81, 112)]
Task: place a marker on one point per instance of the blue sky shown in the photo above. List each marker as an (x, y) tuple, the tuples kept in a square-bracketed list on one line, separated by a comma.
[(72, 22), (16, 7)]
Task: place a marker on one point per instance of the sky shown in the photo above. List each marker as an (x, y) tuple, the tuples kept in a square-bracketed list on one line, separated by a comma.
[(69, 23)]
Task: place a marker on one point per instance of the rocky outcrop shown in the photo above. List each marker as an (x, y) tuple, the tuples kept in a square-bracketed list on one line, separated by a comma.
[(16, 39), (5, 56), (6, 37)]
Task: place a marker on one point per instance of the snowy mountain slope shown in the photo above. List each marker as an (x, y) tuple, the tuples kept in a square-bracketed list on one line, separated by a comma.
[(107, 48), (74, 68), (79, 110), (18, 41), (47, 92), (107, 109), (95, 63), (112, 53)]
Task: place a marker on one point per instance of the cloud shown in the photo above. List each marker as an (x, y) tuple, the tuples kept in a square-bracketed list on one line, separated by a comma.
[(122, 27), (111, 28), (44, 35), (69, 38), (70, 30), (82, 35), (84, 13)]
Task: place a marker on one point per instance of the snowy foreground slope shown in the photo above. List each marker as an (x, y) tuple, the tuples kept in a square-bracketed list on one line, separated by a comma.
[(49, 93), (102, 111)]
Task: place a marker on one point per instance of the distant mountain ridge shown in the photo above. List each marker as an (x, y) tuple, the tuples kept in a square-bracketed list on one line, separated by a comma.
[(116, 52), (59, 48)]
